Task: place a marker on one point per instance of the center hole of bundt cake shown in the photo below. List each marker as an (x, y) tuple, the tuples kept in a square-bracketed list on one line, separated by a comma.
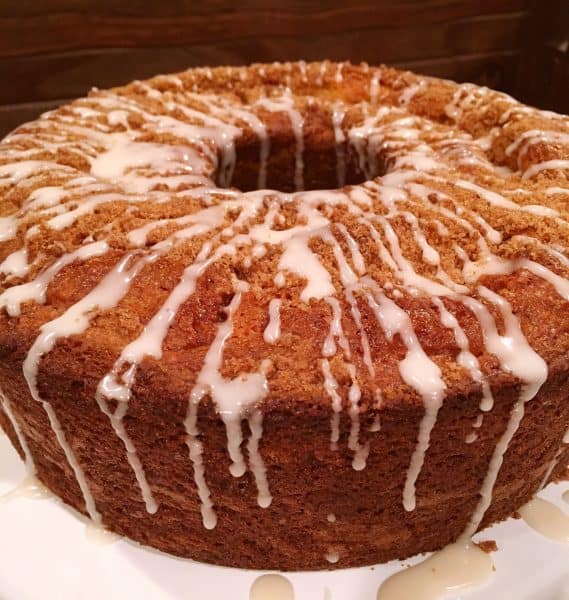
[(319, 157)]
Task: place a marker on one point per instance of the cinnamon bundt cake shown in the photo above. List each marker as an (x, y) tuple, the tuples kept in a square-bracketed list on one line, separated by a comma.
[(275, 315)]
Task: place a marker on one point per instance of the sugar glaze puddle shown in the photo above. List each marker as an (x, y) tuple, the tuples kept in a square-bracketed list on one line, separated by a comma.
[(271, 587), (32, 489), (547, 519), (456, 568)]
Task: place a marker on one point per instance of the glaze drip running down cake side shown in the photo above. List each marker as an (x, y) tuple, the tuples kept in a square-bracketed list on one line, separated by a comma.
[(316, 309)]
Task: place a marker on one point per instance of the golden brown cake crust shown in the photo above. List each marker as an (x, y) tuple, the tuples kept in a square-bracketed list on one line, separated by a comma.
[(476, 195)]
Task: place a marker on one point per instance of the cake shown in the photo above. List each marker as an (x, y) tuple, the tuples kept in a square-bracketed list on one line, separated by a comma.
[(288, 316)]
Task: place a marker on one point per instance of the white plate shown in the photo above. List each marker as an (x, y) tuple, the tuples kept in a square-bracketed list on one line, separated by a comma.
[(46, 555)]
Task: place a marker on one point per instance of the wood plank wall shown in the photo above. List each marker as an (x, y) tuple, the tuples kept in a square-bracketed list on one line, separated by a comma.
[(54, 51)]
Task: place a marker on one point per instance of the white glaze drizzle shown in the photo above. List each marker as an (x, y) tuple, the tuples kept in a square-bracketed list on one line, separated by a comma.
[(411, 91), (465, 357), (74, 321), (546, 165), (233, 397), (338, 113), (360, 451), (16, 264), (286, 104), (374, 86), (7, 409), (331, 387), (336, 332), (517, 357), (264, 497), (419, 372), (273, 329), (13, 297)]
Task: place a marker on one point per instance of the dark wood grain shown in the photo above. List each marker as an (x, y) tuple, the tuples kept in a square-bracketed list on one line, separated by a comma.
[(75, 25), (73, 73), (60, 49), (544, 73), (12, 115)]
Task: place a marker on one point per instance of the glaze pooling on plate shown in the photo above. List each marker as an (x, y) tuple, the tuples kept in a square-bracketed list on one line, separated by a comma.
[(547, 519), (29, 487), (271, 587), (457, 568)]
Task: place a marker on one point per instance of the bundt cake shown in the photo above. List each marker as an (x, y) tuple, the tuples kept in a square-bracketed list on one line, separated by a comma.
[(288, 316)]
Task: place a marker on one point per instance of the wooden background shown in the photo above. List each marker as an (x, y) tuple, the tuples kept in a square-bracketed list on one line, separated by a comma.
[(55, 50)]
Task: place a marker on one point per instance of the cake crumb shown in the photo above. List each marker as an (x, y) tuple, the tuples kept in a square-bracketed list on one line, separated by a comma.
[(488, 546)]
